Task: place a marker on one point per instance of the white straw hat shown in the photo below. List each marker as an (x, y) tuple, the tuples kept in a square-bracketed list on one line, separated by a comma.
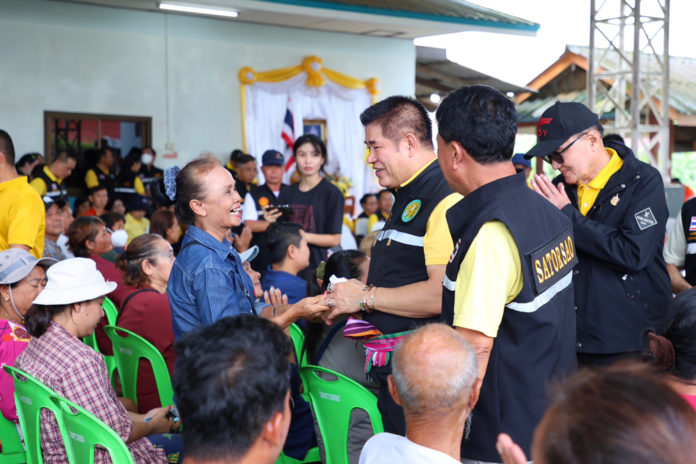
[(72, 281)]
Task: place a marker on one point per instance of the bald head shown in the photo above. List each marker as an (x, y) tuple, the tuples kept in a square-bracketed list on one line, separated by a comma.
[(434, 369)]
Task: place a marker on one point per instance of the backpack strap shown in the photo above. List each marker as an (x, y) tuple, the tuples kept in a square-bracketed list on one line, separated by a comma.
[(130, 297)]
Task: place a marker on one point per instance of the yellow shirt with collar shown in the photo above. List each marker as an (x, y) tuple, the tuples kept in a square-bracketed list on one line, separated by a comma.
[(489, 278), (22, 216), (135, 227), (437, 243), (587, 193), (40, 185)]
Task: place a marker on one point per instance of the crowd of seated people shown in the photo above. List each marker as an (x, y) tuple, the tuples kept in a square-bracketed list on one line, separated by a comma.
[(212, 269)]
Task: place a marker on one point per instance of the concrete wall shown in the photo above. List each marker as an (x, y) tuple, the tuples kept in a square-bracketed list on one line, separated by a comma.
[(80, 58)]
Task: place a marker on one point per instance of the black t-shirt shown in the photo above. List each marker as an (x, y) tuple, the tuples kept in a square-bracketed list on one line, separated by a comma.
[(319, 211)]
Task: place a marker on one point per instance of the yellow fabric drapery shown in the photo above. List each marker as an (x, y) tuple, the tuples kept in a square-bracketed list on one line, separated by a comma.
[(316, 77)]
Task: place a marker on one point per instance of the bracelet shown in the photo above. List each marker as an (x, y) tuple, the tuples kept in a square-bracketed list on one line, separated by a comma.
[(363, 301), (372, 299)]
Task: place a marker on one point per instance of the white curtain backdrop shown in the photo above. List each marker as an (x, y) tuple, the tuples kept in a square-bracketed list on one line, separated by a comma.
[(264, 113)]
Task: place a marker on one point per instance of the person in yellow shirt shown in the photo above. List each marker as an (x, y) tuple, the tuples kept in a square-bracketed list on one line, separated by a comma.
[(508, 285), (128, 181), (408, 260), (137, 223), (385, 201), (101, 172), (22, 214), (49, 182), (619, 213)]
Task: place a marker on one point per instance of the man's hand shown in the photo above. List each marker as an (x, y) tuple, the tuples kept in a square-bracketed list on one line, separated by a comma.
[(312, 307), (555, 194), (271, 214), (344, 298), (509, 451)]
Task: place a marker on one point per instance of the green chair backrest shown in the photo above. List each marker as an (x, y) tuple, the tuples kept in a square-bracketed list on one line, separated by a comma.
[(297, 337), (11, 449), (129, 349), (84, 431), (333, 398), (91, 340), (31, 396)]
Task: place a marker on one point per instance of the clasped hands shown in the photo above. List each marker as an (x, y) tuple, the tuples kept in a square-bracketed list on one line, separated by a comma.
[(556, 194)]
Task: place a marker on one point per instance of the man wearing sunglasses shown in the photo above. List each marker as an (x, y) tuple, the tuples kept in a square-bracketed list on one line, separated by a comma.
[(618, 209)]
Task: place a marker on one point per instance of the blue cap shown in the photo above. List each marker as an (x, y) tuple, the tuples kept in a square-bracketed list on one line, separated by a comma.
[(519, 158), (272, 158)]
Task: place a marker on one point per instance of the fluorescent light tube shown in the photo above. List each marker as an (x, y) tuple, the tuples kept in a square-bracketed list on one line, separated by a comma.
[(198, 9)]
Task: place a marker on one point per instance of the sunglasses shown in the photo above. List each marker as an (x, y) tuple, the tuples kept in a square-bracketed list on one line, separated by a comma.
[(557, 155)]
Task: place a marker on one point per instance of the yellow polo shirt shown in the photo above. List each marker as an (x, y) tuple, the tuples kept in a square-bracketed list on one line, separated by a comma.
[(437, 243), (22, 216), (587, 193), (40, 185), (489, 278)]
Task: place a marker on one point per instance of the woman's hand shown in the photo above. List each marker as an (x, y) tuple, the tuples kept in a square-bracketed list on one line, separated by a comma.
[(275, 297), (312, 307), (159, 422)]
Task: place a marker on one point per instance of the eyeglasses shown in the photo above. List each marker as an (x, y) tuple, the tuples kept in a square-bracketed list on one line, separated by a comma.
[(557, 156)]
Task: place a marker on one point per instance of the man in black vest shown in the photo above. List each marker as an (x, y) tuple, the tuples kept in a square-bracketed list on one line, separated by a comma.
[(619, 213), (408, 261), (258, 209), (49, 182), (680, 249), (508, 285)]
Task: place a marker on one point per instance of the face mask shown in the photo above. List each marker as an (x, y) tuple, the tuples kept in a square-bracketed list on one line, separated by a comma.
[(146, 158), (119, 238)]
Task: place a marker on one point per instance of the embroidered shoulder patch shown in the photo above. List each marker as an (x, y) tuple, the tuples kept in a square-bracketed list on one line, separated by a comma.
[(645, 219), (411, 210)]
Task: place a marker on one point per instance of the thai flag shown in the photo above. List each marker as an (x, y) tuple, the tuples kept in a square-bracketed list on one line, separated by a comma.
[(692, 226), (288, 136)]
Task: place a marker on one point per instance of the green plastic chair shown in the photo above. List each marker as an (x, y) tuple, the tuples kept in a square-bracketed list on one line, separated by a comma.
[(91, 340), (31, 396), (332, 402), (11, 449), (84, 431), (312, 455), (129, 349), (297, 337)]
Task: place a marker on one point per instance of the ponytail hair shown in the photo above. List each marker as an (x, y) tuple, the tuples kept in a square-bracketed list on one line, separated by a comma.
[(179, 187), (39, 317)]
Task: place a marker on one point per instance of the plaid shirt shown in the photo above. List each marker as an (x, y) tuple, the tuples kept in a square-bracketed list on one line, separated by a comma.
[(78, 373)]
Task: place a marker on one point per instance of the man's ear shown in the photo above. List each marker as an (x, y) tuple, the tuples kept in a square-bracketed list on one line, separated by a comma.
[(411, 142), (474, 395), (272, 431), (392, 390), (291, 251)]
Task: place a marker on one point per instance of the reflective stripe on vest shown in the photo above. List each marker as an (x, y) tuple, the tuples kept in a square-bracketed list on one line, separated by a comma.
[(691, 249), (55, 193), (449, 284), (544, 297), (124, 190), (401, 237)]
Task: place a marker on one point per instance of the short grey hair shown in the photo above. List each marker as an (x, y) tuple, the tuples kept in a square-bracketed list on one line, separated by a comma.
[(434, 368)]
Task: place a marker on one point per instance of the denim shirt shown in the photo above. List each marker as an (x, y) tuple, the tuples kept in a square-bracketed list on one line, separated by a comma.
[(207, 283)]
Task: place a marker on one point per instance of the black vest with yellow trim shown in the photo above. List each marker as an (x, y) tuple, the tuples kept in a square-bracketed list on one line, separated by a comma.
[(107, 180), (54, 190), (688, 216), (398, 257), (536, 337)]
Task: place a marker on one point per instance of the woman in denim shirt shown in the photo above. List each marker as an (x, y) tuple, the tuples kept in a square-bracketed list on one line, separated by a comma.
[(208, 281)]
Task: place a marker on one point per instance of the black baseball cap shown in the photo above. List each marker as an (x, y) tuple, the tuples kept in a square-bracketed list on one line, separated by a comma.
[(560, 122), (272, 158)]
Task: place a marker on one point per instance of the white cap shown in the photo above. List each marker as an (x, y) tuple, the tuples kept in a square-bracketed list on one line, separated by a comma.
[(249, 254), (72, 281)]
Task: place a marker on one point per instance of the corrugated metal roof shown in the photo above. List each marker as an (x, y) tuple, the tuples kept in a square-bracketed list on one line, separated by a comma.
[(682, 86), (437, 10)]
